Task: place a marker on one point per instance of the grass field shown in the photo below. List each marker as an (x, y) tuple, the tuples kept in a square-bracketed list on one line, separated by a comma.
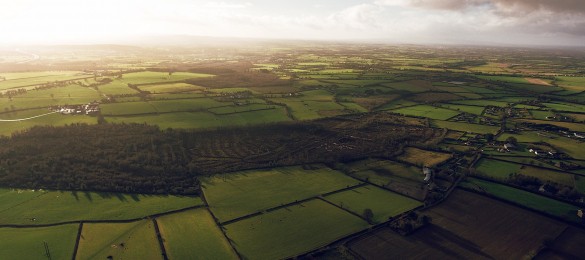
[(291, 231), (135, 240), (462, 108), (548, 175), (483, 102), (69, 95), (528, 199), (571, 126), (170, 88), (193, 234), (16, 80), (384, 204), (427, 111), (20, 206), (423, 157), (571, 83), (237, 194), (466, 226), (183, 105), (200, 120), (497, 169), (569, 107), (7, 128), (465, 127), (27, 243), (129, 108)]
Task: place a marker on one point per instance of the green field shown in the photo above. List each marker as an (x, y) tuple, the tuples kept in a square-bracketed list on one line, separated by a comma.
[(147, 77), (497, 169), (56, 119), (384, 204), (193, 234), (17, 80), (237, 194), (170, 88), (482, 102), (462, 108), (569, 107), (129, 108), (135, 240), (427, 111), (69, 95), (388, 168), (21, 206), (202, 120), (292, 230), (465, 127), (27, 243), (525, 198), (572, 83), (183, 105)]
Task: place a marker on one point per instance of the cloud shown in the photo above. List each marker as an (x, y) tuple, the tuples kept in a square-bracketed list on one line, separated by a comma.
[(504, 6)]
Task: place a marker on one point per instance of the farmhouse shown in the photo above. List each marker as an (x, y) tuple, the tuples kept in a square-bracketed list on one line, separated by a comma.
[(428, 173)]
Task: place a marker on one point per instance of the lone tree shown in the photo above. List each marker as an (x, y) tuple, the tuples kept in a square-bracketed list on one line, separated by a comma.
[(369, 215), (512, 140)]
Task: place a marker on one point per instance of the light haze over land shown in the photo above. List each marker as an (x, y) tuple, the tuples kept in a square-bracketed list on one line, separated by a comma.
[(482, 22)]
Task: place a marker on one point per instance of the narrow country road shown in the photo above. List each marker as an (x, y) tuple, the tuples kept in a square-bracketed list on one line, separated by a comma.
[(24, 119)]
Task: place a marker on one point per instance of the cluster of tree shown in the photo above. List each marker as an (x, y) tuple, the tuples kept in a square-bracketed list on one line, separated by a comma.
[(410, 222), (144, 159)]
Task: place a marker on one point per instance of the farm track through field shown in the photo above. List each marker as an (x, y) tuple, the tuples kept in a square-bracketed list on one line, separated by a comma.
[(24, 119)]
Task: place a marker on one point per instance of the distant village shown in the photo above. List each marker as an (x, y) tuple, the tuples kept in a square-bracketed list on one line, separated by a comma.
[(86, 109)]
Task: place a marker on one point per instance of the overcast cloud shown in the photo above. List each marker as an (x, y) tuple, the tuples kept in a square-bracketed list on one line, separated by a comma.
[(534, 22)]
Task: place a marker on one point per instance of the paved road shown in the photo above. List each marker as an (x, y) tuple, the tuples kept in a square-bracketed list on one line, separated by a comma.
[(24, 119)]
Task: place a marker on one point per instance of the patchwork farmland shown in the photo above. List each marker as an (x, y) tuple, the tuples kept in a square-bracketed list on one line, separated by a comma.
[(292, 151)]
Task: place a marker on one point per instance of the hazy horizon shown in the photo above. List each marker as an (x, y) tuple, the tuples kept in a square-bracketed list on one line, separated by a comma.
[(460, 22)]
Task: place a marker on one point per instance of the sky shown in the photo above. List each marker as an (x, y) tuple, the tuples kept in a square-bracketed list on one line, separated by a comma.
[(482, 22)]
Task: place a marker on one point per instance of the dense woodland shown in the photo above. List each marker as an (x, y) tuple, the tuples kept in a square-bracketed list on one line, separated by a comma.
[(144, 159)]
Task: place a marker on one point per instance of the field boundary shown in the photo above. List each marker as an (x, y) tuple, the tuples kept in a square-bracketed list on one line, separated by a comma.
[(76, 247), (102, 221), (160, 239)]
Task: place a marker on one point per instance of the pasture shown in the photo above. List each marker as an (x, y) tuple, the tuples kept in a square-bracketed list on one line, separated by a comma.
[(170, 88), (497, 169), (204, 120), (193, 234), (528, 199), (26, 207), (55, 119), (134, 240), (238, 194), (290, 231), (465, 127), (427, 111), (423, 157), (384, 204), (27, 243)]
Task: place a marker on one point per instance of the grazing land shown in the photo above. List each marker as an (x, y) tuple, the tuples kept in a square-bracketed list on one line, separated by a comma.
[(194, 234), (528, 199), (422, 157), (134, 240), (382, 203), (273, 149), (28, 243), (35, 207), (289, 231), (235, 195)]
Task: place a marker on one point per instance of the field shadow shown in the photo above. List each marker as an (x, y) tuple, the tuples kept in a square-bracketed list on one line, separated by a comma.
[(74, 193), (437, 237), (88, 196)]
